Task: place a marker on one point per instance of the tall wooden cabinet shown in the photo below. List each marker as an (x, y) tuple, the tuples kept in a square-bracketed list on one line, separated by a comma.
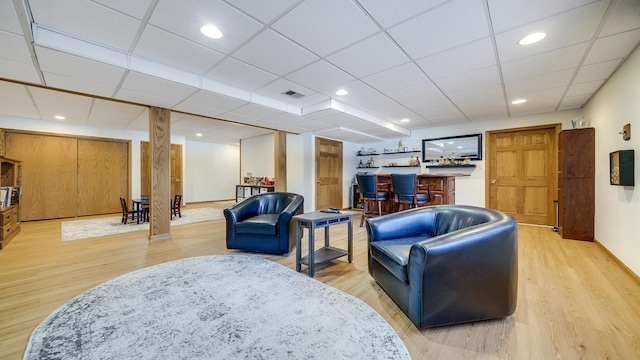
[(576, 184), (11, 175)]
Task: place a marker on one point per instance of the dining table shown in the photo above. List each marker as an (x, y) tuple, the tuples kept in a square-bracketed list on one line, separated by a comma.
[(141, 207)]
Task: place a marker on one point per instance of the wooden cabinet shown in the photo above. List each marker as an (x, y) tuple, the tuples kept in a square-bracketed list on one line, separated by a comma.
[(11, 176), (576, 184), (442, 188)]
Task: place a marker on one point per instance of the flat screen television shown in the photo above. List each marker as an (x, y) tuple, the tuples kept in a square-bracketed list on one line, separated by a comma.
[(452, 147)]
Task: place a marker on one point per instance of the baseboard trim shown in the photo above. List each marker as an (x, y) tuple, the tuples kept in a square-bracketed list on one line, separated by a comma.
[(160, 237), (619, 262)]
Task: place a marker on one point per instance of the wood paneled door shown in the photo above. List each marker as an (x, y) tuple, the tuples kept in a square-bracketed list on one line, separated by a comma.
[(176, 169), (103, 176), (521, 173), (328, 173), (67, 175)]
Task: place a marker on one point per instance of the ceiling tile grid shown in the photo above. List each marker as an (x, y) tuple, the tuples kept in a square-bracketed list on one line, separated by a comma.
[(436, 62)]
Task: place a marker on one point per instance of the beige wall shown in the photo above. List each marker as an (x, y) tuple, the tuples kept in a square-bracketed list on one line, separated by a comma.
[(618, 208)]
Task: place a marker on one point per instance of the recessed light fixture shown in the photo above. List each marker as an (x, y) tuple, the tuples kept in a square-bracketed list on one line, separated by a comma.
[(211, 31), (519, 101), (532, 38), (198, 134), (342, 92), (405, 120), (59, 117)]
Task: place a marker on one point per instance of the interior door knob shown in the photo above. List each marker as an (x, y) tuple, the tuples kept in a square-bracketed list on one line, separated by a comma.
[(493, 181)]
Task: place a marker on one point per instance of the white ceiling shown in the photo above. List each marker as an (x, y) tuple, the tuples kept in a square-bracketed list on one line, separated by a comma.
[(436, 62)]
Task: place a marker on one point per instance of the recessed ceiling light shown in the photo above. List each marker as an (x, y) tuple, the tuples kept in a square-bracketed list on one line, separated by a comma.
[(198, 134), (342, 92), (211, 31), (405, 120), (59, 117), (519, 101), (532, 38)]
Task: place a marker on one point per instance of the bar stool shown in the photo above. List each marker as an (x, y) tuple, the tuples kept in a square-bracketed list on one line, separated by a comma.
[(405, 191), (371, 195)]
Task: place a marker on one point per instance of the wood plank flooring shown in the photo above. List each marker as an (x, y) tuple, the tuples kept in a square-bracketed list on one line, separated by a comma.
[(574, 301)]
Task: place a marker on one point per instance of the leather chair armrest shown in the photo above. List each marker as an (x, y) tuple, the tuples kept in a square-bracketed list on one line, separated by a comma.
[(243, 210)]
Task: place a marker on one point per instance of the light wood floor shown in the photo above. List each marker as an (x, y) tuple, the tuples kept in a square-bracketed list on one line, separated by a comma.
[(574, 301)]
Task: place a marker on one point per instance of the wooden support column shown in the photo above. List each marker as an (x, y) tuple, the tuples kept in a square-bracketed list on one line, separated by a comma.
[(160, 173), (280, 152)]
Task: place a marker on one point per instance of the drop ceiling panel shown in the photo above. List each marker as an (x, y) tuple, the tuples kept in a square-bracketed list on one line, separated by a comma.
[(265, 11), (453, 24), (95, 22), (357, 90), (559, 34), (474, 79), (444, 113), (613, 47), (173, 50), (14, 48), (319, 76), (415, 93), (112, 114), (78, 85), (625, 16), (325, 26), (274, 53), (256, 111), (184, 18), (538, 102), (400, 11), (573, 102), (208, 103), (551, 80), (141, 123), (586, 88), (137, 8), (18, 71), (510, 14), (237, 73), (59, 63), (8, 18), (598, 71), (396, 78), (148, 85), (357, 58), (553, 61), (456, 61), (374, 103), (429, 104), (75, 108), (16, 101)]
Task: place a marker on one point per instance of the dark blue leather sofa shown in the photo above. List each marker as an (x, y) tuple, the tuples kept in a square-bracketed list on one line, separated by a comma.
[(262, 223), (446, 264)]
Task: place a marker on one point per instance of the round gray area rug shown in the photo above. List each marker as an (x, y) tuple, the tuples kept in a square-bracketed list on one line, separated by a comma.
[(215, 307)]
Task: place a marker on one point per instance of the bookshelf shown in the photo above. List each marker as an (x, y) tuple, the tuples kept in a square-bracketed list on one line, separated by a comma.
[(10, 181)]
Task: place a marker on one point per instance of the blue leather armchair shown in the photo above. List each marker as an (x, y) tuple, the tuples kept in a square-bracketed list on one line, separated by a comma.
[(262, 223), (446, 264)]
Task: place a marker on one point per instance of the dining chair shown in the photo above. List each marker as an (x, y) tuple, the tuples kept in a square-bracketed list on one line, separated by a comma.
[(175, 206), (406, 191), (372, 196), (128, 212)]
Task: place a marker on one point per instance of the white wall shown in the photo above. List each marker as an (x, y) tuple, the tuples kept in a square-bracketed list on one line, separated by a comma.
[(211, 171), (257, 156), (617, 208)]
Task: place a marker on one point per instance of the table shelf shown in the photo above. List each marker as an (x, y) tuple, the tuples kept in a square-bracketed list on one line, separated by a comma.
[(324, 255)]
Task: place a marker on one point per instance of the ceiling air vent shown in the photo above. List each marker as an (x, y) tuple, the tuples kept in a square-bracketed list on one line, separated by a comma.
[(293, 94)]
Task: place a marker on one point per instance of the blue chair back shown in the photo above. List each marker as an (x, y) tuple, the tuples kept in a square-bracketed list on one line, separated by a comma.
[(367, 184), (403, 184)]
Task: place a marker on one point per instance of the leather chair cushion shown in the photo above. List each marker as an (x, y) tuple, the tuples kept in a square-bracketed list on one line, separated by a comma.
[(394, 254), (265, 224)]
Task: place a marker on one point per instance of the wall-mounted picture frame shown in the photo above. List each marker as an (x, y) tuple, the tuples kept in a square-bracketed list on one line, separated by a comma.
[(621, 168)]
